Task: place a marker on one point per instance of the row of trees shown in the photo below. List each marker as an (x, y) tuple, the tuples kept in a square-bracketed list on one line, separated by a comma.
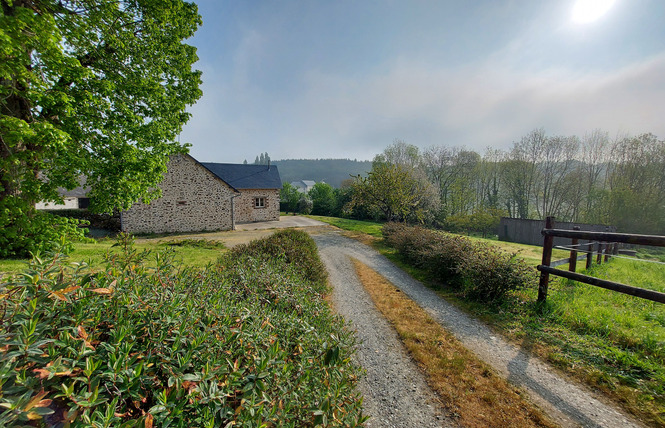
[(590, 179), (322, 199)]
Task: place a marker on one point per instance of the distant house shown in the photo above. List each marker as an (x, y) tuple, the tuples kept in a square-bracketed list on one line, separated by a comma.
[(303, 186), (207, 196), (72, 200)]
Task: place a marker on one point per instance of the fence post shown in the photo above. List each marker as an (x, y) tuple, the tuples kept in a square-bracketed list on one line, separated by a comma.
[(589, 255), (547, 258), (599, 258), (608, 249), (572, 264)]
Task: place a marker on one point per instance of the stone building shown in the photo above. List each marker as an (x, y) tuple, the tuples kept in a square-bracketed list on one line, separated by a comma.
[(207, 196)]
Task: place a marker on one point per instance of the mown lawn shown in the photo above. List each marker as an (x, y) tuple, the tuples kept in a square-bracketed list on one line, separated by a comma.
[(189, 252), (611, 341), (369, 227)]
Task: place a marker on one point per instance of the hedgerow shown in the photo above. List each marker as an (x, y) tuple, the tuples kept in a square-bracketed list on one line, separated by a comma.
[(480, 271), (247, 341)]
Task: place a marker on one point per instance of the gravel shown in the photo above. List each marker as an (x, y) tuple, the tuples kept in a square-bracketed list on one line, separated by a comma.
[(396, 394)]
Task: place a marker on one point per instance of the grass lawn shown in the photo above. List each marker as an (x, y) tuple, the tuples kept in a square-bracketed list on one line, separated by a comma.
[(611, 341), (189, 252), (369, 227)]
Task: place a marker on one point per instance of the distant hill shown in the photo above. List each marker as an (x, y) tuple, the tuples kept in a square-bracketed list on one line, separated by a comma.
[(332, 171)]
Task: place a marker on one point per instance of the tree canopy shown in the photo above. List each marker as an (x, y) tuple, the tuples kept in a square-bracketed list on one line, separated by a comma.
[(94, 89)]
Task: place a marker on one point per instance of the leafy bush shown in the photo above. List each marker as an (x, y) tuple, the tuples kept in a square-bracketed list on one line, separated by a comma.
[(482, 272), (295, 247), (25, 230), (104, 221), (248, 341), (305, 205)]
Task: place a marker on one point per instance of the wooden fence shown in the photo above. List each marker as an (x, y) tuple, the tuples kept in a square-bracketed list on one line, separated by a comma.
[(606, 244)]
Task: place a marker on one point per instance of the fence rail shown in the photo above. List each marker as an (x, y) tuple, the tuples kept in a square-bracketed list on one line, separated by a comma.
[(606, 243)]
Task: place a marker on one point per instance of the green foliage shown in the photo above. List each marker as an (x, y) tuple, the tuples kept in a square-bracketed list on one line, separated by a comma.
[(323, 199), (82, 93), (289, 197), (480, 271), (248, 341), (395, 191), (305, 205), (26, 230), (295, 248), (484, 221), (110, 222)]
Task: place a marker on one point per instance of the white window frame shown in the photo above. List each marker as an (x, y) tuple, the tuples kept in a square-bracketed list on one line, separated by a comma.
[(260, 202)]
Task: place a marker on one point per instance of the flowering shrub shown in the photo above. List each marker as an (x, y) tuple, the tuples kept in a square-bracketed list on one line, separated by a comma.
[(248, 341), (482, 272)]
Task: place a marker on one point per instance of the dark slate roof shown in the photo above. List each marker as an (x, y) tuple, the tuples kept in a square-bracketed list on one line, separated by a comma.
[(242, 176)]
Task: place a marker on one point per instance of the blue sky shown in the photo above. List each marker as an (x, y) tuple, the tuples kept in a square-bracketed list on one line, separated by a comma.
[(343, 79)]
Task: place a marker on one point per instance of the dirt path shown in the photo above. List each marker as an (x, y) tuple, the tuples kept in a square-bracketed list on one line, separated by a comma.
[(389, 395)]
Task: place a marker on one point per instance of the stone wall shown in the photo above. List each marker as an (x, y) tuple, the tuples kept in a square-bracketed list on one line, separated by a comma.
[(245, 208), (193, 199)]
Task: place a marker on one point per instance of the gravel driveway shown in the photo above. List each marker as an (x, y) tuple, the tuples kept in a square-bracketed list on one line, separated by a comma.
[(396, 394)]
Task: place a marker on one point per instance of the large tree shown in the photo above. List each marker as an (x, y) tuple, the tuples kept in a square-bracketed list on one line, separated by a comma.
[(90, 88), (396, 191)]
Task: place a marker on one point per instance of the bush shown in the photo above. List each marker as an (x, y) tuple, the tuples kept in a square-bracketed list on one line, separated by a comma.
[(248, 340), (24, 230), (110, 222), (482, 272)]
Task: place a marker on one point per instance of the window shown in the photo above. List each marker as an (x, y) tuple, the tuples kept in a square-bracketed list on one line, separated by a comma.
[(259, 202), (84, 203)]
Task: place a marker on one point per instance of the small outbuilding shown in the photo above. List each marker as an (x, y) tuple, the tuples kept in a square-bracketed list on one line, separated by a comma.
[(207, 196)]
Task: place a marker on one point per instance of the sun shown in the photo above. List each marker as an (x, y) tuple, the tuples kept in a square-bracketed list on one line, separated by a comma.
[(586, 11)]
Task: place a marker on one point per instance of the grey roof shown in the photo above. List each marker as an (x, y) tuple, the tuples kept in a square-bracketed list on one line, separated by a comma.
[(79, 192), (242, 176)]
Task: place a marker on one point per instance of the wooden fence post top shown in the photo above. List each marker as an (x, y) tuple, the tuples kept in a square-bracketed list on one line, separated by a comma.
[(549, 223)]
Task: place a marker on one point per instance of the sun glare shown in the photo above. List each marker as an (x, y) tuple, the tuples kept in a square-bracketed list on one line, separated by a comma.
[(586, 11)]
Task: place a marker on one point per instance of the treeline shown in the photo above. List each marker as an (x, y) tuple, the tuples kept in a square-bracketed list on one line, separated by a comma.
[(592, 179)]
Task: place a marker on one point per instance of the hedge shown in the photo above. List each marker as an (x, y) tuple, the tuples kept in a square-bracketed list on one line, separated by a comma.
[(248, 341), (479, 271)]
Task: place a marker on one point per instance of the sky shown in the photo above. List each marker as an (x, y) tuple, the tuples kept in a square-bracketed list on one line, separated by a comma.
[(314, 79)]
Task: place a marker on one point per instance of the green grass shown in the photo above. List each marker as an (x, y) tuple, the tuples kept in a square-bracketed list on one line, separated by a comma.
[(188, 252), (369, 227), (532, 254), (611, 341)]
